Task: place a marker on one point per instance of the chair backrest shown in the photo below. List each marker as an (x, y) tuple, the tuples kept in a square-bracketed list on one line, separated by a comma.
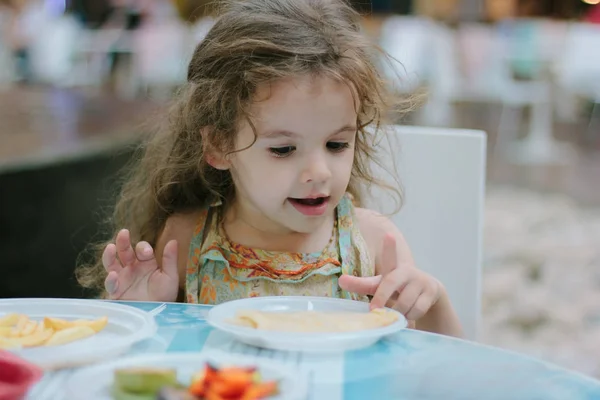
[(52, 49), (406, 40), (442, 172), (579, 68), (161, 54)]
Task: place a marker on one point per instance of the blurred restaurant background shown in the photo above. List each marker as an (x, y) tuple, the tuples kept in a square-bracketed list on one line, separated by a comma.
[(82, 80)]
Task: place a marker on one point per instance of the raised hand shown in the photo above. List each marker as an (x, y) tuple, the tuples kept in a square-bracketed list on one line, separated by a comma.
[(136, 275), (400, 285)]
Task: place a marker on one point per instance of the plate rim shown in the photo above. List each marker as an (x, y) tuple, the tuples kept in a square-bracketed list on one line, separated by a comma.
[(395, 327)]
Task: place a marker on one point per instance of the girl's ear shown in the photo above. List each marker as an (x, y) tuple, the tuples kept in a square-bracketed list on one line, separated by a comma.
[(214, 157), (217, 161)]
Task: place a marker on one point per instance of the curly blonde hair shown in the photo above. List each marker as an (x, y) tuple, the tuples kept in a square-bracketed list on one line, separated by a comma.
[(252, 42)]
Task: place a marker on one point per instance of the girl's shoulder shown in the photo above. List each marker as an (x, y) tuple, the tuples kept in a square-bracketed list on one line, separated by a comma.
[(371, 225)]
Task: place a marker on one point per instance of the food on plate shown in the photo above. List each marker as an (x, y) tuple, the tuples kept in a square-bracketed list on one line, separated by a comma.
[(144, 380), (9, 320), (211, 383), (18, 331), (314, 321), (231, 383), (142, 383)]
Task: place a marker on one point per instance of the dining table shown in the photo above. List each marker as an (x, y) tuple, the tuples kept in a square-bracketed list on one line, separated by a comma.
[(410, 364)]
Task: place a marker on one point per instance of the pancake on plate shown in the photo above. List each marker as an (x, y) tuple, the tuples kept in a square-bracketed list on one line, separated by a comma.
[(314, 321)]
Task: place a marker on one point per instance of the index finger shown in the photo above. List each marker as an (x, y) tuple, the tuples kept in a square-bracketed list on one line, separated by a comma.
[(389, 285), (124, 249), (109, 259)]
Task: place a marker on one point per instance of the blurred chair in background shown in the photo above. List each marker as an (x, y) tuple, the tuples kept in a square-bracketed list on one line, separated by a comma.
[(509, 64), (20, 20), (579, 71), (527, 82), (515, 63)]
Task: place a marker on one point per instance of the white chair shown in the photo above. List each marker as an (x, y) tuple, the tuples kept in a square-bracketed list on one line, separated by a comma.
[(160, 57), (578, 72), (524, 45), (406, 40), (53, 49), (442, 172)]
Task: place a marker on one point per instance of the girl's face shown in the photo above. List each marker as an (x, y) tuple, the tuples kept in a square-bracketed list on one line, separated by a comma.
[(293, 176)]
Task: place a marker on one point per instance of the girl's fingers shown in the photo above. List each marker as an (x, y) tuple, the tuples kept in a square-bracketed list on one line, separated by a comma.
[(144, 252), (169, 262), (111, 284), (389, 285), (361, 285), (109, 259), (392, 301), (408, 297), (124, 250), (420, 308)]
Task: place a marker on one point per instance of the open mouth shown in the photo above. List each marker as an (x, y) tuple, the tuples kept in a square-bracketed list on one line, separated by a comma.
[(311, 207), (317, 201)]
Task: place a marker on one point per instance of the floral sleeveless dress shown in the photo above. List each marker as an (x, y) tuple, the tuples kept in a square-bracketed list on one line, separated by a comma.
[(219, 271)]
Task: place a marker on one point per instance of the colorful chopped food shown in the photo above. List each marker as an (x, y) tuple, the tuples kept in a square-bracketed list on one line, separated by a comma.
[(231, 383), (211, 383)]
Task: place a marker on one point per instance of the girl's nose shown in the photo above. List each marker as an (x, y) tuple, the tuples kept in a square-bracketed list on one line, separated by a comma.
[(317, 170)]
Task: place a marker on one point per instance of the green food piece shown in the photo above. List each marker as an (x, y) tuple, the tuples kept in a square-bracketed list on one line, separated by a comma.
[(120, 394), (145, 380)]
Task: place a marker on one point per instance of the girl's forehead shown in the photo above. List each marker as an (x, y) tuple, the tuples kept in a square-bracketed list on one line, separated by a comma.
[(303, 103)]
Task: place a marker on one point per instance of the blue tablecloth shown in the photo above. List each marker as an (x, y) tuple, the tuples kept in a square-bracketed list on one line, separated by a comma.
[(409, 365)]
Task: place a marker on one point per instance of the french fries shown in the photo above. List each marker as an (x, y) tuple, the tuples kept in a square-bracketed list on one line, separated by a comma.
[(70, 335), (9, 320), (19, 331)]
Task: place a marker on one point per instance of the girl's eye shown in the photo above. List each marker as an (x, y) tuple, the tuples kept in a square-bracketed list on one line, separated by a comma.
[(337, 147), (282, 151)]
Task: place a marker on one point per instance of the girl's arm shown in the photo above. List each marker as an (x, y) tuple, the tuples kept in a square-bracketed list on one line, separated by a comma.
[(441, 316)]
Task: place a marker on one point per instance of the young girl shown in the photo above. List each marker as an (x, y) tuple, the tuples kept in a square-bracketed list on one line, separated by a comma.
[(250, 191)]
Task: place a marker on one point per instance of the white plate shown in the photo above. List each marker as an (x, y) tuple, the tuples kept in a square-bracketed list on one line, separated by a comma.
[(126, 325), (94, 382), (305, 342)]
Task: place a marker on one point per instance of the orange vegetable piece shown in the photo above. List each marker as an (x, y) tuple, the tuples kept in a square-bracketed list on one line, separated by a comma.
[(210, 373), (212, 395), (198, 388), (230, 383), (235, 381), (260, 391), (237, 370), (227, 390), (202, 381)]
